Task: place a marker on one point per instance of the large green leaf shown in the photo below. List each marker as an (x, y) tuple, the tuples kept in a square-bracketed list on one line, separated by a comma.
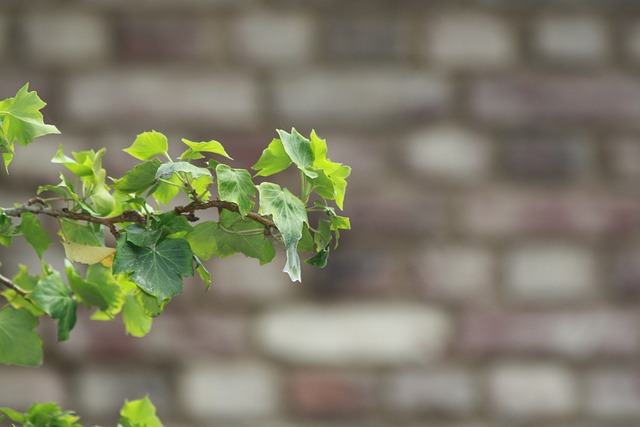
[(148, 145), (55, 298), (19, 344), (34, 233), (140, 178), (289, 214), (274, 159), (158, 270), (299, 150), (139, 413), (88, 292), (236, 186), (232, 234)]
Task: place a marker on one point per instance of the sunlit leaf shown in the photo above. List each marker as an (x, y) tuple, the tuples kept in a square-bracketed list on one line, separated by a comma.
[(274, 159), (195, 148), (148, 145), (139, 413), (299, 150)]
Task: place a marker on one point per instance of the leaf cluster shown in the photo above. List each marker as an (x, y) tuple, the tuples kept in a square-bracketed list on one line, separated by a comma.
[(129, 242)]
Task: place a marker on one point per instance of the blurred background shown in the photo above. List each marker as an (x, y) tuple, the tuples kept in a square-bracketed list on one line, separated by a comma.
[(492, 276)]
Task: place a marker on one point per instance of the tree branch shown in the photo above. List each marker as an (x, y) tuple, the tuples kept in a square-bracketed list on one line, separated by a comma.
[(9, 284), (131, 215)]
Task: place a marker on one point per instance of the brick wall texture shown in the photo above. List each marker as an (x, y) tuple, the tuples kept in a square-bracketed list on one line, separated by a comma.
[(492, 276)]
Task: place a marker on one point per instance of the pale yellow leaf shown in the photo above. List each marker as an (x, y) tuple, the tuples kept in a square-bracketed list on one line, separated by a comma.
[(86, 254)]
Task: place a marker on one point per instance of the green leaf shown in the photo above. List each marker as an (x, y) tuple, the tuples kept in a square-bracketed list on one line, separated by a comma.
[(202, 272), (78, 169), (167, 170), (88, 292), (34, 233), (274, 159), (157, 270), (140, 235), (320, 258), (299, 150), (103, 201), (139, 413), (289, 214), (21, 122), (336, 173), (55, 298), (111, 289), (19, 344), (236, 186), (165, 192), (229, 236), (27, 283), (136, 321), (139, 179), (83, 234), (148, 145), (14, 415), (196, 148), (7, 230)]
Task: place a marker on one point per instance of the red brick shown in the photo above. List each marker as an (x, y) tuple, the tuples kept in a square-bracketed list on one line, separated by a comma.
[(331, 393), (167, 38), (572, 334), (516, 100), (544, 156), (509, 212)]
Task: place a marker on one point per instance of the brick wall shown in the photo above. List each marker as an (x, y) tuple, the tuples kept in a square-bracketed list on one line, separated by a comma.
[(492, 278)]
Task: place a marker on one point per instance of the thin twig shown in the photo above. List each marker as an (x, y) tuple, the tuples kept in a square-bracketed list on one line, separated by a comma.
[(9, 284)]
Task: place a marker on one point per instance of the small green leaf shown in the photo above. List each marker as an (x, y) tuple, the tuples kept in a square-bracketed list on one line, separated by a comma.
[(139, 179), (336, 173), (203, 272), (274, 159), (140, 413), (7, 229), (236, 186), (76, 168), (87, 292), (164, 192), (167, 170), (55, 298), (136, 321), (103, 201), (83, 234), (195, 148), (34, 233), (157, 270), (320, 258), (289, 214), (19, 343), (140, 235), (14, 415), (299, 150), (148, 145)]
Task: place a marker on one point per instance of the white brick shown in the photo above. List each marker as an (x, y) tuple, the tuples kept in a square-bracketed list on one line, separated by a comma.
[(532, 391), (445, 390), (159, 98), (366, 96), (66, 38), (21, 387), (614, 393), (210, 389), (369, 334), (450, 154), (550, 273), (456, 273), (470, 41), (572, 39), (274, 39)]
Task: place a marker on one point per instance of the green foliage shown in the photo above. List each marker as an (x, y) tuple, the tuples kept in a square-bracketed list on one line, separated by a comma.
[(151, 211)]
